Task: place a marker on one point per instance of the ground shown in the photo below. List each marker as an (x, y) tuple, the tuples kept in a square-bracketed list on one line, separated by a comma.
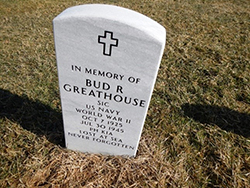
[(197, 129)]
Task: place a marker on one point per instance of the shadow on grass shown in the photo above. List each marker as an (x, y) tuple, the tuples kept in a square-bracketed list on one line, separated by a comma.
[(227, 119), (33, 116)]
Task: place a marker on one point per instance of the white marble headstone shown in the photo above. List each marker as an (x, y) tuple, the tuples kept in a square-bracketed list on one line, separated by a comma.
[(108, 58)]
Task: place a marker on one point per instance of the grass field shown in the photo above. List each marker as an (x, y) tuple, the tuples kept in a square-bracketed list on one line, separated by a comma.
[(198, 124)]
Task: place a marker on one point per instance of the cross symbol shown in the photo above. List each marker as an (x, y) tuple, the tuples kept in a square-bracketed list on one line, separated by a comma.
[(108, 42)]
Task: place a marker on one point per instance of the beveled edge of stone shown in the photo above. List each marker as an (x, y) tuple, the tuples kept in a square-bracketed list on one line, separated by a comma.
[(115, 13)]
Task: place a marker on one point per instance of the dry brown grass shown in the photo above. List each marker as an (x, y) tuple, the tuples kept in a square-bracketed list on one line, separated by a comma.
[(71, 169), (197, 129)]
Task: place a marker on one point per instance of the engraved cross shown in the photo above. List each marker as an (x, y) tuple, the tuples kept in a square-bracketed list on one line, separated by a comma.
[(108, 42)]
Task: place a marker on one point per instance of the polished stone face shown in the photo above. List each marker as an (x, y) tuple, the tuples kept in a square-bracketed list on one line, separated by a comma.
[(108, 58)]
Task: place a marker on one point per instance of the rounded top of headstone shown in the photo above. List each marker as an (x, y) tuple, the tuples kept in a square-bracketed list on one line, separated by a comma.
[(117, 14)]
